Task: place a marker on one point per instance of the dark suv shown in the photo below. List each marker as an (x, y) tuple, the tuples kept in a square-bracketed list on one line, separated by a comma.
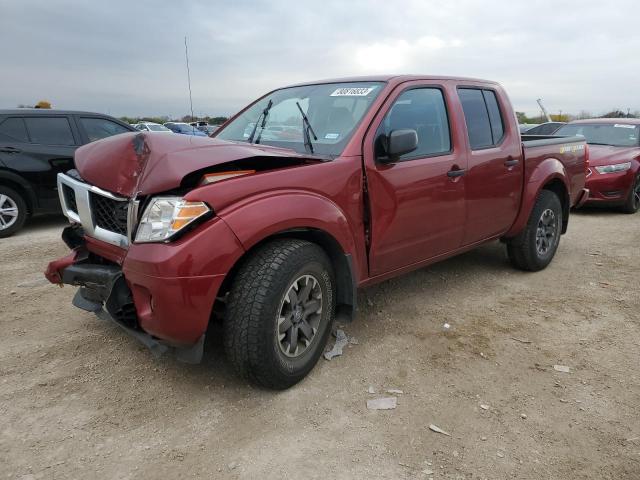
[(35, 145)]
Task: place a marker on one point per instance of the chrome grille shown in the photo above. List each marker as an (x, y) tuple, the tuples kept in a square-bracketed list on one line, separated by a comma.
[(103, 215), (109, 214)]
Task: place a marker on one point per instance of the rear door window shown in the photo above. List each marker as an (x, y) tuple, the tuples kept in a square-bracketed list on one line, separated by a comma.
[(482, 115), (50, 130), (497, 128), (97, 128), (13, 130)]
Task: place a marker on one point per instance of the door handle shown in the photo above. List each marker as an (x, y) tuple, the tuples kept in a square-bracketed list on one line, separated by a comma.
[(453, 173), (510, 161), (9, 150)]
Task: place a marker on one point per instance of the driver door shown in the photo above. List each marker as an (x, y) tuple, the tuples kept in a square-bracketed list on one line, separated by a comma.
[(417, 203)]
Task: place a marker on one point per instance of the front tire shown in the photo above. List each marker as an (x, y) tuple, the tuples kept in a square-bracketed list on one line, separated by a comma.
[(632, 205), (13, 211), (535, 247), (279, 313)]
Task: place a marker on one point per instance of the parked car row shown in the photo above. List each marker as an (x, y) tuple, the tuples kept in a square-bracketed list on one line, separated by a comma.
[(197, 129)]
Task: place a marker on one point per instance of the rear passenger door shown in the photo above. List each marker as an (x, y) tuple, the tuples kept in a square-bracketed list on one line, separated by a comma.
[(417, 203), (52, 143), (493, 180)]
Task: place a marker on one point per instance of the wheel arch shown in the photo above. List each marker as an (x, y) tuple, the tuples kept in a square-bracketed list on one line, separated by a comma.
[(342, 262), (15, 182), (550, 175)]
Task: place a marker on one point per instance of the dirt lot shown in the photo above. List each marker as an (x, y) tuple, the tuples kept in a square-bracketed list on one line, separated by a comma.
[(80, 399)]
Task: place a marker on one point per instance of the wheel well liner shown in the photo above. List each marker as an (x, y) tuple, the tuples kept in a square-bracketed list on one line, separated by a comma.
[(558, 187)]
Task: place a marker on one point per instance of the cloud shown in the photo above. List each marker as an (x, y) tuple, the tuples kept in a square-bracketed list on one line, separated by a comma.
[(124, 57)]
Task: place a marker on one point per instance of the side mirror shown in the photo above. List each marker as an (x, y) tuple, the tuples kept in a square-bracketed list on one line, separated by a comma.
[(398, 143)]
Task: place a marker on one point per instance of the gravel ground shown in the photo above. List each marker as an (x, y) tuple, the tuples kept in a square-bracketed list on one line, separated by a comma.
[(80, 399)]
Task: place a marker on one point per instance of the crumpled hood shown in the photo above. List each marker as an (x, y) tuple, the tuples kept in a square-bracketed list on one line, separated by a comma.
[(600, 155), (144, 163)]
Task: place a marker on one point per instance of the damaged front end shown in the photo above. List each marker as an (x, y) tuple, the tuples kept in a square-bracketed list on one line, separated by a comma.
[(131, 206), (104, 291)]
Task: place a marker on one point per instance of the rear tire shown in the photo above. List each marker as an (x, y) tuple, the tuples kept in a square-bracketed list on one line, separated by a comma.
[(632, 205), (13, 211), (279, 313), (535, 247)]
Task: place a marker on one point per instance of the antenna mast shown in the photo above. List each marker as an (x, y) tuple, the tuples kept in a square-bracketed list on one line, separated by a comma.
[(186, 54)]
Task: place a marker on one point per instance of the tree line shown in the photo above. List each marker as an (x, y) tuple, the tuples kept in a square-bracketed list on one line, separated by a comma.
[(582, 115)]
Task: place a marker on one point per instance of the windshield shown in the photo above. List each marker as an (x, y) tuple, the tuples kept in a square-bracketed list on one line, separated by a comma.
[(157, 128), (333, 109), (616, 135)]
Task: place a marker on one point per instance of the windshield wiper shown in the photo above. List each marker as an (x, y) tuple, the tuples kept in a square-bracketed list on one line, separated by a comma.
[(306, 128), (262, 116)]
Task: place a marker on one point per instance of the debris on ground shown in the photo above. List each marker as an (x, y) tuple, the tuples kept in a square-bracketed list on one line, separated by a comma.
[(371, 390), (341, 342), (395, 391), (435, 428), (484, 407), (500, 454), (562, 368), (384, 403), (354, 341), (521, 340), (523, 416), (446, 326)]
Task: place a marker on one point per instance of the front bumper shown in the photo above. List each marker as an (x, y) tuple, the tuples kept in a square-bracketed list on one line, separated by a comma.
[(162, 294), (609, 188)]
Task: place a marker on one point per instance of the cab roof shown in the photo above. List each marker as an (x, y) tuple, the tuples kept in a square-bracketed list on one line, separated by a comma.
[(393, 79)]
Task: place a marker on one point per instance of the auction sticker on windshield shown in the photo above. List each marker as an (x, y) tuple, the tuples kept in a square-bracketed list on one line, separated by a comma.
[(352, 91)]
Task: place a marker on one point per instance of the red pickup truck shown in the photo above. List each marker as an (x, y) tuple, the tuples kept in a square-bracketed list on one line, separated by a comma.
[(305, 195)]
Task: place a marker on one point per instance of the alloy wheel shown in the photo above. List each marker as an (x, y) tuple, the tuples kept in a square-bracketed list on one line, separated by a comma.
[(546, 232), (8, 212), (299, 316)]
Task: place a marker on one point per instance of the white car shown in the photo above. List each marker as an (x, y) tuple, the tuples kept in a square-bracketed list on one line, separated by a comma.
[(151, 127)]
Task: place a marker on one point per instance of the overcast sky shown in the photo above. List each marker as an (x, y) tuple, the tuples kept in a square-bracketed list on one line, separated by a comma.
[(127, 57)]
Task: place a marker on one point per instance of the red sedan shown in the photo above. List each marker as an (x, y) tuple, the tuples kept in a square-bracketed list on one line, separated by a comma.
[(614, 160)]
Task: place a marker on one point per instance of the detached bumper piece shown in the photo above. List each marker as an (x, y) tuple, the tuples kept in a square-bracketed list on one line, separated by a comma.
[(104, 291)]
